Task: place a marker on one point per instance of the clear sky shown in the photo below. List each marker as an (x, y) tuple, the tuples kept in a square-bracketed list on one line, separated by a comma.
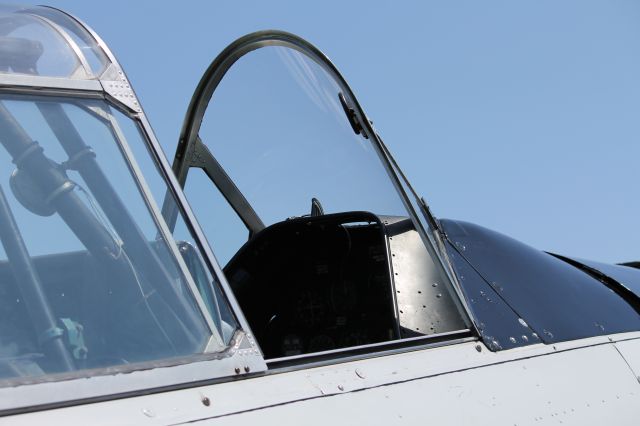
[(519, 116)]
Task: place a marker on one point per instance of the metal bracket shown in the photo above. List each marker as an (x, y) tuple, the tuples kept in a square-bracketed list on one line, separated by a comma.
[(116, 84), (355, 123), (199, 156)]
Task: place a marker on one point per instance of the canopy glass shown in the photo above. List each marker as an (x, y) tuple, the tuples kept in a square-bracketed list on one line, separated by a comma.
[(90, 277), (41, 41)]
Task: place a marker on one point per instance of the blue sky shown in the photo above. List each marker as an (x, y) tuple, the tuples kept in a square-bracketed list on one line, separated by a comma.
[(519, 116)]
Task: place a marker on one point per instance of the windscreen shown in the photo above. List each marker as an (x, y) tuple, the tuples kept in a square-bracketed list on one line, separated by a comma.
[(278, 127), (90, 277), (300, 207)]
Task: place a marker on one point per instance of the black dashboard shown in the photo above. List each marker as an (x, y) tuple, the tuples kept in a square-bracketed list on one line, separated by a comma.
[(313, 284)]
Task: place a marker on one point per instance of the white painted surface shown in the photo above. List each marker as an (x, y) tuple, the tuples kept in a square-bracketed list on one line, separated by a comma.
[(551, 389), (581, 382), (630, 350)]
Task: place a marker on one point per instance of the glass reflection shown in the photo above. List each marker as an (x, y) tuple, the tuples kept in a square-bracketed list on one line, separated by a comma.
[(88, 277), (276, 125)]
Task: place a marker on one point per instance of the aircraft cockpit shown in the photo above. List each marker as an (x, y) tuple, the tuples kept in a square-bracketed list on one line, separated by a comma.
[(283, 240), (308, 243), (316, 241)]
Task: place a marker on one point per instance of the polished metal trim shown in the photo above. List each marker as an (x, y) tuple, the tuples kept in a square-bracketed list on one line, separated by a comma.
[(285, 365), (37, 82), (407, 344)]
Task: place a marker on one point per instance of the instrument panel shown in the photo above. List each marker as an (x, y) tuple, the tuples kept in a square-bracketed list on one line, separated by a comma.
[(315, 284)]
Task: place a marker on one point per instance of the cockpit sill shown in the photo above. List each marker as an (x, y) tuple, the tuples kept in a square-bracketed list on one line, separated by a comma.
[(235, 363), (79, 392), (85, 386), (238, 346)]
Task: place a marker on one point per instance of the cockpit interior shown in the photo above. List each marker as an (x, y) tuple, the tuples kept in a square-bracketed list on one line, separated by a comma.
[(316, 244), (101, 265)]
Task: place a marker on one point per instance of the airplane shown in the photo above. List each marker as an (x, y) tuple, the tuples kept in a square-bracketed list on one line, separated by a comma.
[(282, 270)]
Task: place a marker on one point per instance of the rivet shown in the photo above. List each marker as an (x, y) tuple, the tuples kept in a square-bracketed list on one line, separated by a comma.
[(341, 387), (478, 348), (246, 369), (206, 401), (237, 369)]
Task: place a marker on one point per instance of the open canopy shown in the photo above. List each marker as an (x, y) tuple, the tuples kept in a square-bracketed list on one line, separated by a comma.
[(303, 205)]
